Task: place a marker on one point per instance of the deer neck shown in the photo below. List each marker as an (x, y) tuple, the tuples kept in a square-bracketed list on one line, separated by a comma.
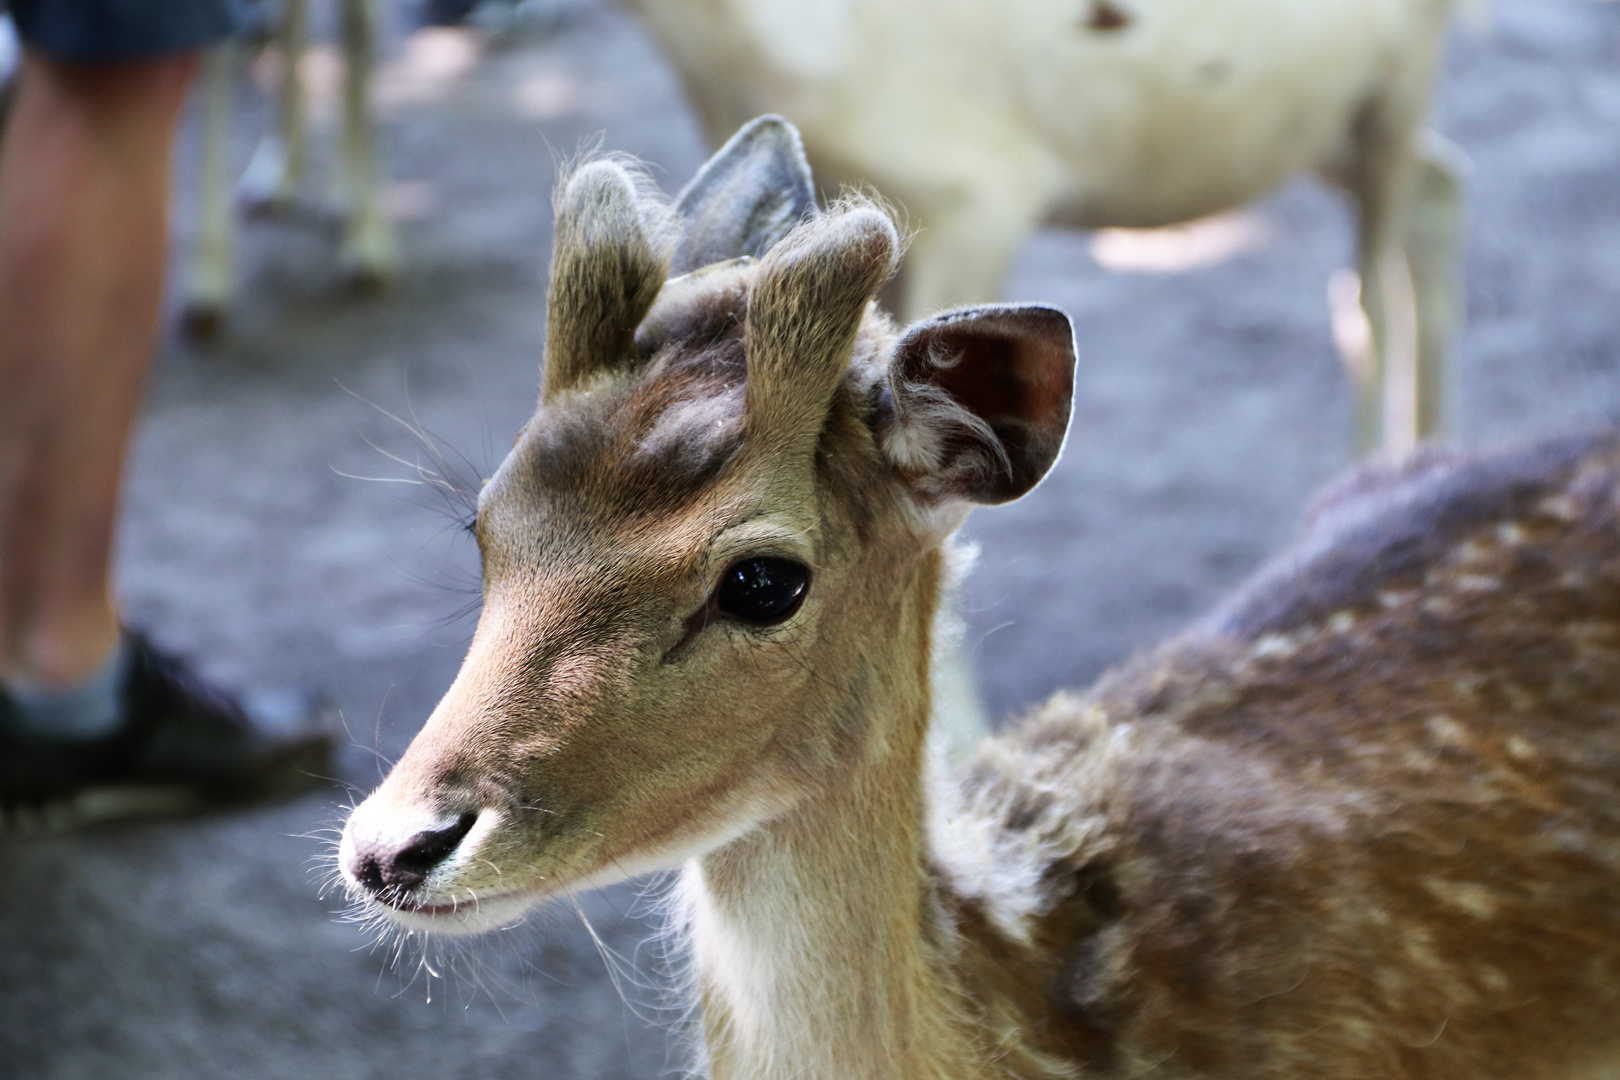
[(813, 936)]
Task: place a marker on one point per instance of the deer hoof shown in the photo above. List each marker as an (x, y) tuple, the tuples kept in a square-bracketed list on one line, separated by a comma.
[(203, 321), (368, 277)]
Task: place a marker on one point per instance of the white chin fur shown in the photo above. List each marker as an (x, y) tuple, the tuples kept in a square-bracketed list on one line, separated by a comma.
[(472, 917)]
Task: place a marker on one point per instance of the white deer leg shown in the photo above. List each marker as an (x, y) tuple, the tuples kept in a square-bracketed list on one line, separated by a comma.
[(1384, 377), (959, 722), (212, 274), (1434, 252), (370, 251), (277, 169), (962, 254)]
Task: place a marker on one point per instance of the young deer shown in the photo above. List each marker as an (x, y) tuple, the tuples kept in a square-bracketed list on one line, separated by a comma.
[(988, 120), (1364, 821)]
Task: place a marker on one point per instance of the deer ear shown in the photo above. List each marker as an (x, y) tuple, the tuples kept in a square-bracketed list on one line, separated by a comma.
[(981, 400), (746, 197)]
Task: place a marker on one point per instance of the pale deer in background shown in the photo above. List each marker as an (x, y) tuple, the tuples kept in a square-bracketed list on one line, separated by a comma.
[(369, 252), (1361, 822), (986, 120)]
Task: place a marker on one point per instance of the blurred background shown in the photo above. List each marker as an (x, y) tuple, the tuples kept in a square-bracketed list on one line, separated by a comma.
[(271, 532)]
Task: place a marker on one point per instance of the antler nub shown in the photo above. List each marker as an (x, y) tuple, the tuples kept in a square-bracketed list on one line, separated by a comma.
[(803, 313), (608, 264)]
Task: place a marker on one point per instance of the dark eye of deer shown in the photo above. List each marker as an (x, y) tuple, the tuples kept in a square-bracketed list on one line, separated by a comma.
[(763, 590)]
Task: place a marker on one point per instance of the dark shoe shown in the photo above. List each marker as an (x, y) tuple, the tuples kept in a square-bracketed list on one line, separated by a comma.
[(184, 747)]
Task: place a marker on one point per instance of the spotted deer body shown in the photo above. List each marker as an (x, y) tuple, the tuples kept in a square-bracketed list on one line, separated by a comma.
[(1362, 821)]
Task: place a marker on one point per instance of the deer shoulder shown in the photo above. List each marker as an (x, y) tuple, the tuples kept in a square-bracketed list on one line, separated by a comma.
[(1363, 820)]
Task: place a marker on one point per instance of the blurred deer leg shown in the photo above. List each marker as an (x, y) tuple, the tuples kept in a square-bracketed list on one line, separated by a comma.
[(277, 168), (1385, 377), (1434, 252), (370, 252), (961, 255), (212, 273), (959, 721)]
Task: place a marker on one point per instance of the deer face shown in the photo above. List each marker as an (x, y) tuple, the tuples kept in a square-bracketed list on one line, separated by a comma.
[(706, 557)]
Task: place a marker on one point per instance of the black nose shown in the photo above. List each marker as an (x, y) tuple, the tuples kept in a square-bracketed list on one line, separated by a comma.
[(407, 867)]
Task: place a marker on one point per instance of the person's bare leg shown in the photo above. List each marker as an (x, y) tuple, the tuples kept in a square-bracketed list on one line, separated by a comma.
[(84, 188)]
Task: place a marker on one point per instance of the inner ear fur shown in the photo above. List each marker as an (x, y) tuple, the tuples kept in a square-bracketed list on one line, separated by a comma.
[(804, 309), (981, 401), (608, 262)]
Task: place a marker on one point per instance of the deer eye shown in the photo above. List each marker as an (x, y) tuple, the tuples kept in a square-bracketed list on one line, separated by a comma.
[(763, 590)]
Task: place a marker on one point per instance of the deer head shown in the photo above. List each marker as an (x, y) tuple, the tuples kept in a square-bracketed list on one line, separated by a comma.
[(710, 560)]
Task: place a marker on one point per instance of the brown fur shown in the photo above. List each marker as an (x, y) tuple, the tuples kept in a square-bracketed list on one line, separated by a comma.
[(1362, 822)]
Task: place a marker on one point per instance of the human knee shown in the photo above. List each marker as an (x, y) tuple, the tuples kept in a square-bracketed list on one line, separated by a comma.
[(108, 93)]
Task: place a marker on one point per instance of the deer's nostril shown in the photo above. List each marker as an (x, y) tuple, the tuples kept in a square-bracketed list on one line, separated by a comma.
[(428, 849), (370, 874), (410, 866)]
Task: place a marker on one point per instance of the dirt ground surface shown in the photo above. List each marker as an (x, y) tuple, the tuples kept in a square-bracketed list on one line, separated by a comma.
[(1210, 405)]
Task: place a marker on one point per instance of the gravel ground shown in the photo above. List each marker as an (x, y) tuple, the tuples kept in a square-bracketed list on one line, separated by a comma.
[(1210, 405)]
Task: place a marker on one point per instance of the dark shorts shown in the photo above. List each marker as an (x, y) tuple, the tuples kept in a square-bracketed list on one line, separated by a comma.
[(114, 30)]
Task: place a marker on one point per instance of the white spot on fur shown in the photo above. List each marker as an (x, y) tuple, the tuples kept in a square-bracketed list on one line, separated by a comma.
[(1278, 646), (1447, 731), (1417, 760), (1419, 946), (1476, 583), (1470, 897), (1559, 506), (1519, 748)]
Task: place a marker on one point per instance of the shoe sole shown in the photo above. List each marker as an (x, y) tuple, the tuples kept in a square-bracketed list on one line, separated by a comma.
[(106, 805)]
